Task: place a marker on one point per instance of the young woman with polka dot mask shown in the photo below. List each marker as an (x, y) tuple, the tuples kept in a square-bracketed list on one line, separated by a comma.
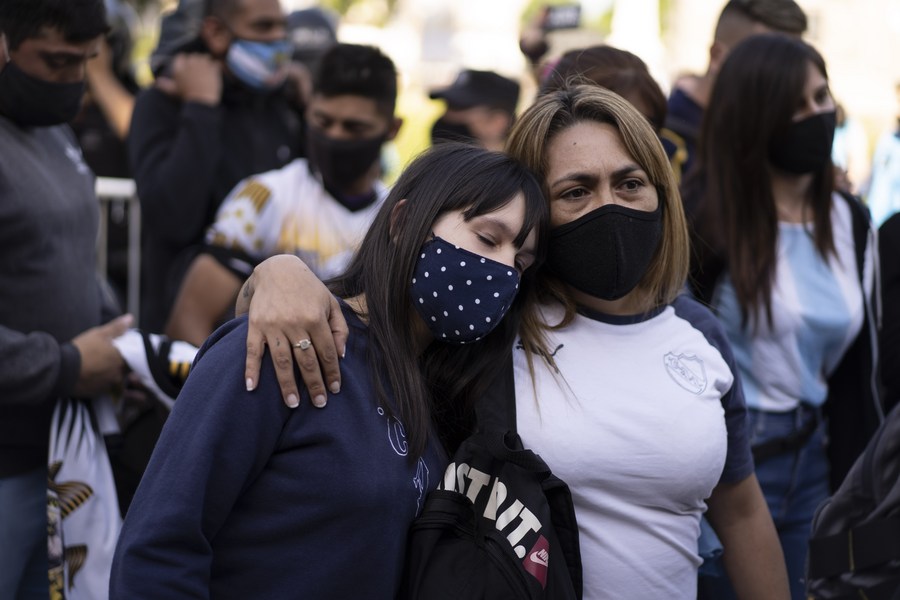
[(459, 217), (459, 291), (444, 277)]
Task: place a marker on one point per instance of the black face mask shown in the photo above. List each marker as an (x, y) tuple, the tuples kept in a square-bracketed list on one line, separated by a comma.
[(342, 162), (445, 131), (33, 102), (606, 252), (805, 147)]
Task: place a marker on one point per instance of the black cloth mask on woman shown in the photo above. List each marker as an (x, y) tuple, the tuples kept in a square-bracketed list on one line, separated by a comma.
[(606, 252), (342, 162), (33, 102), (805, 146)]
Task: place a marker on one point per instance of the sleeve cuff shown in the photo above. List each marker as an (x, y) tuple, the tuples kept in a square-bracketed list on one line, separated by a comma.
[(236, 261)]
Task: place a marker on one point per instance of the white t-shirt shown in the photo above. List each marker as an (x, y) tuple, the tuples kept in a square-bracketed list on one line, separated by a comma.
[(635, 423), (289, 211)]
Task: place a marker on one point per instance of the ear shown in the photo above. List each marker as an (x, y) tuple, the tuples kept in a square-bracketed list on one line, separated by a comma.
[(392, 131), (717, 53), (397, 215), (215, 35), (4, 50)]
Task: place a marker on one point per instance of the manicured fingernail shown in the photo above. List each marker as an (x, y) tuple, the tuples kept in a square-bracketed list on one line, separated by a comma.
[(335, 387), (249, 385), (293, 401), (319, 401)]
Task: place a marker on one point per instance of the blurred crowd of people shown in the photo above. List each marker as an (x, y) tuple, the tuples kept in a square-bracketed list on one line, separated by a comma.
[(707, 315)]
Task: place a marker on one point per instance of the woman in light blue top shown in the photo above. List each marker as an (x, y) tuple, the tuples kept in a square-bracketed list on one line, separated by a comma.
[(788, 265)]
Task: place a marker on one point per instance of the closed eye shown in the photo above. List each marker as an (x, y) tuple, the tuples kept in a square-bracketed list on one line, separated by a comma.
[(486, 241)]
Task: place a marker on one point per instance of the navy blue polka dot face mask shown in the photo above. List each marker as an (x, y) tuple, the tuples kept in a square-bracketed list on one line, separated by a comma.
[(460, 295)]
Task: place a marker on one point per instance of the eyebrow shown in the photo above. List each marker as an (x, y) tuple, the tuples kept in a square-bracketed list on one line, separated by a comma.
[(582, 176), (269, 22), (499, 225), (62, 55), (347, 123)]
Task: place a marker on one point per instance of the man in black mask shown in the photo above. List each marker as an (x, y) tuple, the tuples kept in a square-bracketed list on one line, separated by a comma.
[(217, 113), (317, 208), (481, 108), (53, 340)]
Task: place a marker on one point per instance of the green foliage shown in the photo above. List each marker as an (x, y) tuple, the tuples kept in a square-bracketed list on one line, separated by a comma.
[(339, 6)]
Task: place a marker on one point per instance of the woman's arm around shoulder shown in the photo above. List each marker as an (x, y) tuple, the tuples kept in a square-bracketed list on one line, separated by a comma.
[(286, 303)]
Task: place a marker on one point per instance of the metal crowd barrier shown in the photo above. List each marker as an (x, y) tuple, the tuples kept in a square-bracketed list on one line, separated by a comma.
[(118, 196)]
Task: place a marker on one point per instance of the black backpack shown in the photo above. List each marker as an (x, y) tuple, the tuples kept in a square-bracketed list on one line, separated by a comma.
[(500, 525), (854, 550)]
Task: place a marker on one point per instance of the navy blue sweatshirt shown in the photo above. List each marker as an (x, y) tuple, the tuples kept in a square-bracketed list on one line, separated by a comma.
[(245, 498)]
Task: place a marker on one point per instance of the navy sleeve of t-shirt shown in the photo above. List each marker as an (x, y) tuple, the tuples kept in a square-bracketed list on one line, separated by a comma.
[(739, 459)]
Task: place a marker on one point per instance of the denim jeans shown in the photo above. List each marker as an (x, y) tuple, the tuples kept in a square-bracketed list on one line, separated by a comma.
[(794, 485), (23, 536)]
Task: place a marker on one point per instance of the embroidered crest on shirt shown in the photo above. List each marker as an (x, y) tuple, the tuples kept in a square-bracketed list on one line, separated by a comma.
[(687, 371)]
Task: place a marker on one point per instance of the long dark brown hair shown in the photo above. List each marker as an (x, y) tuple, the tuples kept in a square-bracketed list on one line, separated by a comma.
[(446, 379), (729, 194)]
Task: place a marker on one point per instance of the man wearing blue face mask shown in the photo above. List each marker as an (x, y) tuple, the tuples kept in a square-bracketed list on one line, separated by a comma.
[(53, 340), (217, 113)]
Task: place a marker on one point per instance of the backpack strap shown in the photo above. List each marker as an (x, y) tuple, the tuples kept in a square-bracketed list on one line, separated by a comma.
[(861, 223), (886, 590), (496, 409), (862, 547)]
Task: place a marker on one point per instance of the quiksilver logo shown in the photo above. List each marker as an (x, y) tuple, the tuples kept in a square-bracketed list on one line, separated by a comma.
[(687, 371)]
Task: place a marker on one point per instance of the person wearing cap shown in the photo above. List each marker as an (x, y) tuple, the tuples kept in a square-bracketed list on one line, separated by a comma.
[(481, 108), (217, 113)]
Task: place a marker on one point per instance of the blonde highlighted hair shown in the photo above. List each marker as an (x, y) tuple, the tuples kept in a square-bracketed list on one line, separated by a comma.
[(557, 111)]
